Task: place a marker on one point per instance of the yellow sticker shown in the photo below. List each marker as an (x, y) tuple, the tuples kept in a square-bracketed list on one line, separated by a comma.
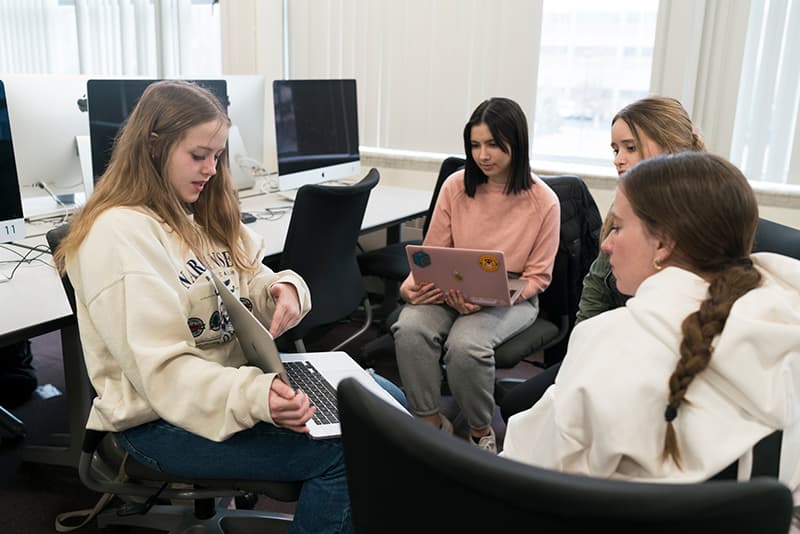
[(488, 263)]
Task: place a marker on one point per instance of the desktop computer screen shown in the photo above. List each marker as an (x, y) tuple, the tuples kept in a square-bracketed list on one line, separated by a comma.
[(48, 127), (12, 224), (111, 101), (316, 131)]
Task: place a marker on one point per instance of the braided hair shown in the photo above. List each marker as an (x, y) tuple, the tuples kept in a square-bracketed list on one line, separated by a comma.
[(707, 207)]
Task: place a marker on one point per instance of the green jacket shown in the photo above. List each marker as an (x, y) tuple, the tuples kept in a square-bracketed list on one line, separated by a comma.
[(599, 290)]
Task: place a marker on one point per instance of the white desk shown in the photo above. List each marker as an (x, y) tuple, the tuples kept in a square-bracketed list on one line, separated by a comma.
[(39, 305), (37, 299), (35, 304), (388, 207)]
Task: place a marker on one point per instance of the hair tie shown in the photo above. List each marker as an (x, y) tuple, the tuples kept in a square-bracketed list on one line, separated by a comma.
[(742, 262), (670, 413)]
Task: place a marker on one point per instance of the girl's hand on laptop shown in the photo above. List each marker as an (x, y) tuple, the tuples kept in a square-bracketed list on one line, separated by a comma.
[(455, 299), (289, 408), (426, 293), (287, 308)]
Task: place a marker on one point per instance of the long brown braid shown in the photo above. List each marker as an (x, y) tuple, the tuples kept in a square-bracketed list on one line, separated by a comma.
[(706, 206), (699, 330)]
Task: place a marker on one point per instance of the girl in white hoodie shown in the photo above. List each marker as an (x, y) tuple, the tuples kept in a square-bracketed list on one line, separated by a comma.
[(702, 362)]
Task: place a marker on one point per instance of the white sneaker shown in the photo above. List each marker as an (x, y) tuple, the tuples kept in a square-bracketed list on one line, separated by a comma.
[(487, 442)]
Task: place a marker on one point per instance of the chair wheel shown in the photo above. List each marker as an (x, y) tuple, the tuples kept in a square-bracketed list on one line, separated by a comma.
[(246, 501)]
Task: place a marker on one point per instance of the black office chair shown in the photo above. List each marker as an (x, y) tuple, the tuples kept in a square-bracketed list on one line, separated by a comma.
[(405, 476), (389, 263), (579, 243), (144, 491), (321, 246), (777, 238)]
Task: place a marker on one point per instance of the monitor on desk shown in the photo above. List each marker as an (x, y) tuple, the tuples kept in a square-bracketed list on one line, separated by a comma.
[(316, 131), (247, 96), (48, 125), (12, 224), (110, 101)]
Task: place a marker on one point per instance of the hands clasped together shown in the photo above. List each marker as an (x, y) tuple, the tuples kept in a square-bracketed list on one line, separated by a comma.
[(428, 293)]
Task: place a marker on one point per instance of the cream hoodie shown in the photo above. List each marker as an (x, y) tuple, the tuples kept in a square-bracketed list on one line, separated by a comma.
[(153, 339), (604, 416)]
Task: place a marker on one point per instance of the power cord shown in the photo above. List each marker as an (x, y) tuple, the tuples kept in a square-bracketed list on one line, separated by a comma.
[(266, 181), (60, 203), (26, 258), (42, 185)]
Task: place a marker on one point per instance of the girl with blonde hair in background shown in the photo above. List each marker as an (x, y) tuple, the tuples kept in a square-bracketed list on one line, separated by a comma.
[(645, 128)]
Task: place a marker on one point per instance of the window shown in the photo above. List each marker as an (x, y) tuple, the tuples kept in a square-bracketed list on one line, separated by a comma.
[(422, 66), (158, 38), (595, 58), (766, 144)]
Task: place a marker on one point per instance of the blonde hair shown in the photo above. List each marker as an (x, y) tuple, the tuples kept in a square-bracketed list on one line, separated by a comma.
[(665, 121), (705, 204), (137, 174)]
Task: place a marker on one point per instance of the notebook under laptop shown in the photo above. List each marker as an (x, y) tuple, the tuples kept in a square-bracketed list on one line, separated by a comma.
[(479, 274), (260, 350)]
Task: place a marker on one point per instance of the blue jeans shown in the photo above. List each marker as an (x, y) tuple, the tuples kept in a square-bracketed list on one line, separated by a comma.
[(263, 452), (390, 387)]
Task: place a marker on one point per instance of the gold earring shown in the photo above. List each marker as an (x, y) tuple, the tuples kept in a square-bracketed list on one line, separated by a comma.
[(656, 266)]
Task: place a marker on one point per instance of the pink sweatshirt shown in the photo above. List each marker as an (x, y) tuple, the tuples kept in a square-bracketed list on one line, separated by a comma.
[(524, 226)]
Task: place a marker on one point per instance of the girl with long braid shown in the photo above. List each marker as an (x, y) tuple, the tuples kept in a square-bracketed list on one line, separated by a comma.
[(702, 363)]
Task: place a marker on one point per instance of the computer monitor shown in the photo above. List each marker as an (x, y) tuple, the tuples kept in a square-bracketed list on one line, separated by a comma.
[(12, 223), (247, 105), (316, 131), (48, 125), (110, 101)]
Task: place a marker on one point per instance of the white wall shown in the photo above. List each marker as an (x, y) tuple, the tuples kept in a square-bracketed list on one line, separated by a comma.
[(253, 44)]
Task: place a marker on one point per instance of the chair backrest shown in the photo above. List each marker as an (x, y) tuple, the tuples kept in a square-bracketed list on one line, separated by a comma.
[(400, 469), (579, 244), (448, 167), (778, 238), (321, 246), (54, 237)]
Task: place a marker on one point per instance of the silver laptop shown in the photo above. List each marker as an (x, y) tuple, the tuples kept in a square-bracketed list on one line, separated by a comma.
[(329, 367)]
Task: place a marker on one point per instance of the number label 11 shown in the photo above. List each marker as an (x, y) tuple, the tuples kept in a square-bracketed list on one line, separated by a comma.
[(12, 230)]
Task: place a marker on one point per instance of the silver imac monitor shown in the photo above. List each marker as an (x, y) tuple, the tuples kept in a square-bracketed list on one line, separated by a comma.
[(246, 109), (49, 127), (12, 223), (247, 97), (316, 131)]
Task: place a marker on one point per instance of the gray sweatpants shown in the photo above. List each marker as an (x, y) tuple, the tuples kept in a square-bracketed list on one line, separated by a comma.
[(423, 332)]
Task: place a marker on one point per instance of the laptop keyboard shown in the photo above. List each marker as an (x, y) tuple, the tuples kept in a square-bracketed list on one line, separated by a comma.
[(304, 376)]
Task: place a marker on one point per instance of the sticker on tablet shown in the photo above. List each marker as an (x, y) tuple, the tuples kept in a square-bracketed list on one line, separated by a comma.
[(421, 259), (489, 263)]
